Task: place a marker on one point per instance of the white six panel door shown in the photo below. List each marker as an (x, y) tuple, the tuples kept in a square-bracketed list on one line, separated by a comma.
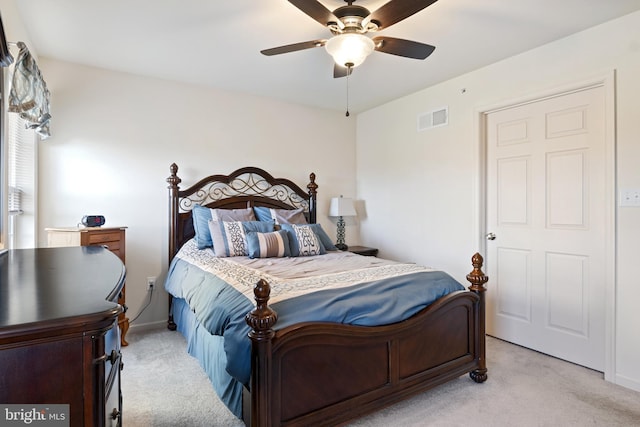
[(545, 205)]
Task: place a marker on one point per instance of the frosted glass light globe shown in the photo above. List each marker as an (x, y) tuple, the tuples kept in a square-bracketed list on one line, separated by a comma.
[(349, 48)]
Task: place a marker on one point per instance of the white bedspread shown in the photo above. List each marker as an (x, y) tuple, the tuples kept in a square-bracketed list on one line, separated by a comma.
[(290, 277)]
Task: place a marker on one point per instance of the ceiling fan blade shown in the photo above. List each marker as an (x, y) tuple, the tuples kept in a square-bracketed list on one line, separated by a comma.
[(340, 71), (293, 47), (395, 11), (400, 47), (316, 10)]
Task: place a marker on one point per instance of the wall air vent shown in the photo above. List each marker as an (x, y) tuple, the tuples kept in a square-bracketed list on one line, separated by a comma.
[(434, 118)]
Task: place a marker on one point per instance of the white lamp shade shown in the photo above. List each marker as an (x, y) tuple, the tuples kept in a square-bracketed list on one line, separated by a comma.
[(349, 48), (342, 206)]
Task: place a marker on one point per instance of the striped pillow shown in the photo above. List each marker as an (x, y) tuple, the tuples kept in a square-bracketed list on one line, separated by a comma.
[(230, 237), (268, 245)]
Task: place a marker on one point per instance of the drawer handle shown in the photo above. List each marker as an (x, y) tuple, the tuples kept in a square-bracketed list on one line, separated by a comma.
[(113, 358), (115, 414)]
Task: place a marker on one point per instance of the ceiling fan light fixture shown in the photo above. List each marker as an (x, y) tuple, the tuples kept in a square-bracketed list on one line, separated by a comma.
[(349, 48)]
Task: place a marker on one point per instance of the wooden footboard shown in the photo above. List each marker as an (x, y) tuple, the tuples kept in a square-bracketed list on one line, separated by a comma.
[(327, 373)]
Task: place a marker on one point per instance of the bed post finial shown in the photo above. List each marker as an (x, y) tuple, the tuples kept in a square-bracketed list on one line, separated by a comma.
[(262, 318), (312, 186), (477, 279), (173, 179), (313, 191), (261, 321)]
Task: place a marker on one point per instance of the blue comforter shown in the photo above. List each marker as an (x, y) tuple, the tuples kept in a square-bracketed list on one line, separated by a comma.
[(221, 309)]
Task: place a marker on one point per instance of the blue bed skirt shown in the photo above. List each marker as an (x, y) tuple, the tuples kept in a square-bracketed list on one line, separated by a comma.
[(209, 351)]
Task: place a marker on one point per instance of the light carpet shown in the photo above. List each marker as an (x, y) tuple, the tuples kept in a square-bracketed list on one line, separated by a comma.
[(163, 386)]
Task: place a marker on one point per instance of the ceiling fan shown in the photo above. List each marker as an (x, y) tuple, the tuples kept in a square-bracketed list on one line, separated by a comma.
[(350, 25)]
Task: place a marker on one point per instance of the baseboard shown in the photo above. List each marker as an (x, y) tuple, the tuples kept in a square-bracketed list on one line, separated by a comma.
[(143, 327), (627, 382)]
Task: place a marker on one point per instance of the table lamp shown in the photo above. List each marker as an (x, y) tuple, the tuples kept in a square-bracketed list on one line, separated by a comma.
[(341, 207)]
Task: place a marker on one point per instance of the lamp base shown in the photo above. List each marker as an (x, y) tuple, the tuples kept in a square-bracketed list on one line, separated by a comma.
[(342, 246)]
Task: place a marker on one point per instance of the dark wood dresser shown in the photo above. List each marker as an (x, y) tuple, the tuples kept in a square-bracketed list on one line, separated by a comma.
[(59, 335)]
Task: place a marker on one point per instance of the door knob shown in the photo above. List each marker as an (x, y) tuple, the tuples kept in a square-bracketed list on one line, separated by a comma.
[(491, 236)]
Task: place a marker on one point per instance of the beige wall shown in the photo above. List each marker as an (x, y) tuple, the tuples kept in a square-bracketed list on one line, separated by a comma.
[(435, 174), (115, 135)]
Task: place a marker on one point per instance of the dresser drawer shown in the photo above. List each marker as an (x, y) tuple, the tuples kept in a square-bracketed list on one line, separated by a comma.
[(114, 357), (113, 406), (113, 246), (97, 238), (112, 367)]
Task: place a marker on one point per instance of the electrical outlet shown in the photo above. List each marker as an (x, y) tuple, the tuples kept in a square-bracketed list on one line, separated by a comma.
[(630, 197), (151, 283)]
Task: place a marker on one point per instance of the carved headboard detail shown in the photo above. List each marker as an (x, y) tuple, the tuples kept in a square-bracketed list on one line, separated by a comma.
[(245, 187)]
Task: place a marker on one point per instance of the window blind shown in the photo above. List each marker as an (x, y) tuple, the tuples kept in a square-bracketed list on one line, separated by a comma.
[(21, 182)]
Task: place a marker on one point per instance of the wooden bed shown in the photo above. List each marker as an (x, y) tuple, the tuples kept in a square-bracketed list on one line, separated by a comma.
[(320, 373)]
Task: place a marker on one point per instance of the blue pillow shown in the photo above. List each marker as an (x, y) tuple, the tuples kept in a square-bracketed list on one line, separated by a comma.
[(262, 213), (324, 237), (268, 245), (303, 241), (230, 237), (202, 215)]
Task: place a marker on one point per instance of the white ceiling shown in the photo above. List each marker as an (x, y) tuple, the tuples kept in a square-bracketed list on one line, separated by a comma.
[(217, 43)]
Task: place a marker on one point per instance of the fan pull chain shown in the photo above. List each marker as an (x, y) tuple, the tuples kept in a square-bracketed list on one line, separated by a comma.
[(349, 65)]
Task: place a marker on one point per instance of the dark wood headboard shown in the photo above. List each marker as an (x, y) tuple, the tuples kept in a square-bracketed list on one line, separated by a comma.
[(245, 187)]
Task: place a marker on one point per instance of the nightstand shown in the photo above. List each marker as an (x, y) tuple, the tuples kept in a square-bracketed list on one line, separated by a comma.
[(363, 250), (113, 238)]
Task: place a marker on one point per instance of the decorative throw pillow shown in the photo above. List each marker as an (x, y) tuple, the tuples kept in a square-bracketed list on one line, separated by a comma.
[(280, 216), (324, 238), (230, 237), (202, 215), (268, 245), (303, 241)]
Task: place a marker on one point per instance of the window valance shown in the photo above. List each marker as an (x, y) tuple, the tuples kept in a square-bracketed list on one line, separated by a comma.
[(29, 95)]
